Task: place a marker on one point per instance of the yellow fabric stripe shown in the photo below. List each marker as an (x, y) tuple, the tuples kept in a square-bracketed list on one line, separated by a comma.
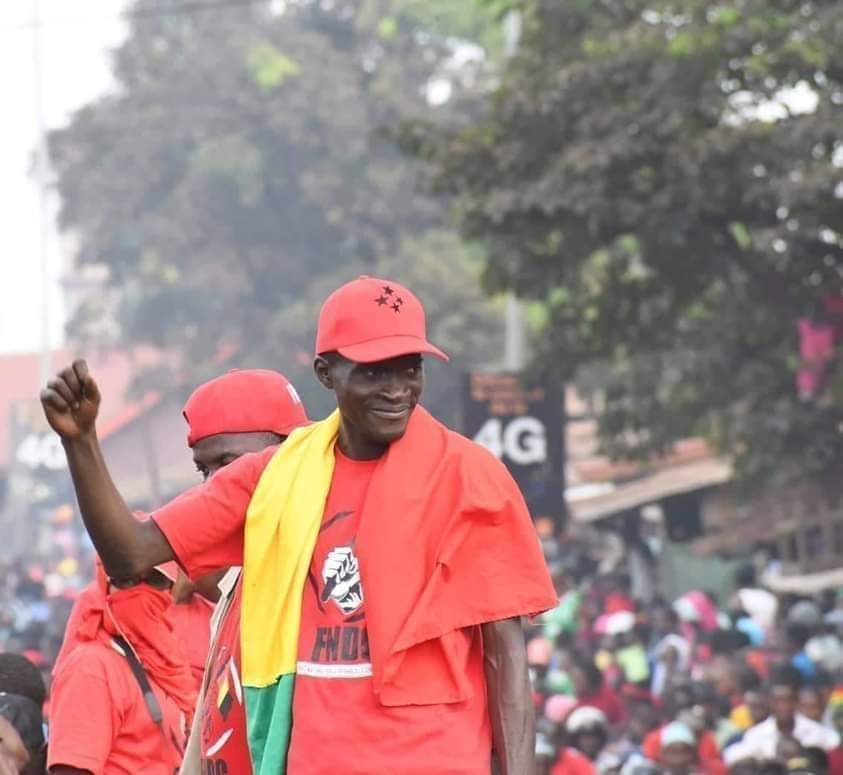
[(282, 525)]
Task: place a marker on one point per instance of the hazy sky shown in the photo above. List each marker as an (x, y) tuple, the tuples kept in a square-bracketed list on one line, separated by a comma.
[(75, 41)]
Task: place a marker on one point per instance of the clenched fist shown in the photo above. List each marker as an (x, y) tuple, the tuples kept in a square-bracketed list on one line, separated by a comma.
[(71, 402), (341, 576)]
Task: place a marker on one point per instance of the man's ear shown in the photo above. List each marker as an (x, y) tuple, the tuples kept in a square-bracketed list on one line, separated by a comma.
[(322, 369)]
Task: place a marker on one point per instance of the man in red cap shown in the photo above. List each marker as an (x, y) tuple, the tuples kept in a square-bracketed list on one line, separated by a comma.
[(230, 416), (394, 557)]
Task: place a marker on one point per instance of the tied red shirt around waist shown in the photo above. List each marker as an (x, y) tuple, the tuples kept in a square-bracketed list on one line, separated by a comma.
[(339, 725)]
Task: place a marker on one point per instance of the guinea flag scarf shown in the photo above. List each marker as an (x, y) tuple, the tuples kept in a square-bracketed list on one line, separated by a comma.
[(449, 544)]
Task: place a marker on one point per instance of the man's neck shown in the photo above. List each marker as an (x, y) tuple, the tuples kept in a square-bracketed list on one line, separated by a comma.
[(786, 727), (357, 447)]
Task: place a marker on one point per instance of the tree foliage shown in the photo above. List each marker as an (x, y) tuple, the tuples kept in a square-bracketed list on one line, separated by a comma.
[(238, 172), (665, 176)]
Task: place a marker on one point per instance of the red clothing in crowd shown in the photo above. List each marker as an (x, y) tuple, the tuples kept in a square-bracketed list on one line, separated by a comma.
[(835, 762), (224, 746), (192, 626), (100, 722), (571, 762), (99, 719), (607, 700)]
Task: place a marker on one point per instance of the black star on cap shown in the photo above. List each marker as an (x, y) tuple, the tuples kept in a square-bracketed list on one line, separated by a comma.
[(396, 307), (387, 291), (381, 301)]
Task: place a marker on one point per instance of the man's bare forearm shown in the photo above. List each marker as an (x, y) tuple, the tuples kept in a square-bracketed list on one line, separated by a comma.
[(511, 710), (127, 547)]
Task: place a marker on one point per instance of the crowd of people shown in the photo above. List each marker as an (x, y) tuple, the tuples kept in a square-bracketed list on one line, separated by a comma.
[(749, 684)]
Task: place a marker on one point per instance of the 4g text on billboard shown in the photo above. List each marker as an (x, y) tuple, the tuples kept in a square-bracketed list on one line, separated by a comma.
[(523, 426)]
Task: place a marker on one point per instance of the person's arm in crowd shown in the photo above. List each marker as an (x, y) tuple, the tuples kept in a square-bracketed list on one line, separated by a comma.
[(14, 757), (128, 548), (511, 710)]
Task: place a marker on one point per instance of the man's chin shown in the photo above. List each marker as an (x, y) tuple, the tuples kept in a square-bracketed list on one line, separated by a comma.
[(389, 433)]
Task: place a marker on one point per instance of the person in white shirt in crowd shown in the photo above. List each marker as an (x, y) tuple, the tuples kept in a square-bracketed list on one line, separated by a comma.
[(760, 742)]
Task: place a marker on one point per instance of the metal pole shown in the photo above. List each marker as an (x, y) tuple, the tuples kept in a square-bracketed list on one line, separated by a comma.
[(514, 343), (41, 169), (514, 340)]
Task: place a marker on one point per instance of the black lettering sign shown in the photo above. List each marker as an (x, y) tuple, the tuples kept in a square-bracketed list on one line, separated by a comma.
[(350, 643)]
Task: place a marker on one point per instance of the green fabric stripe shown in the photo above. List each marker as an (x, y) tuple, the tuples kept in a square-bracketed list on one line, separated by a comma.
[(269, 713)]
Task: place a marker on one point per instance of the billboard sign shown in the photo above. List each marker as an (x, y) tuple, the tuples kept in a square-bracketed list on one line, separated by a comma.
[(523, 426)]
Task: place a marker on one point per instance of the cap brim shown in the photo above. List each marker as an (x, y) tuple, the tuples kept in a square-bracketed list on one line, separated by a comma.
[(390, 347)]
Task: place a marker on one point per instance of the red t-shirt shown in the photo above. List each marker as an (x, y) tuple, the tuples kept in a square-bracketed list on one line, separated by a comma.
[(192, 626), (224, 745), (337, 717), (571, 762), (339, 726), (835, 762), (607, 700), (100, 722)]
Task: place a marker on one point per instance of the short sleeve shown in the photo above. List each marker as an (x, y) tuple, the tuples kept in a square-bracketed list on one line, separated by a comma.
[(82, 740), (204, 526)]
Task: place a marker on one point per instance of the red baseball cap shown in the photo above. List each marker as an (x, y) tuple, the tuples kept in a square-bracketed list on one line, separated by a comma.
[(247, 401), (370, 319)]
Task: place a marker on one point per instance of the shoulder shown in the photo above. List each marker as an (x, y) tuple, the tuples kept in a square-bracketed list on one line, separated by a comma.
[(249, 467), (94, 660), (759, 730), (816, 731), (577, 761)]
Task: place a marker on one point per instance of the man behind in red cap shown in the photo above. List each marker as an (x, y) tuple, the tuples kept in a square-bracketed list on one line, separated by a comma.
[(233, 415), (423, 558)]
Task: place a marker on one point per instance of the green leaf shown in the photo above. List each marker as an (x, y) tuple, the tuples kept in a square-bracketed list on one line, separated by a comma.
[(269, 66), (388, 28), (741, 235)]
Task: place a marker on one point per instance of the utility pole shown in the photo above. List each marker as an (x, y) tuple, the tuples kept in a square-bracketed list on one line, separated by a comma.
[(514, 342), (41, 172)]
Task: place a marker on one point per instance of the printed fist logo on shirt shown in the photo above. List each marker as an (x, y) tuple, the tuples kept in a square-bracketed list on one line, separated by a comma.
[(341, 577)]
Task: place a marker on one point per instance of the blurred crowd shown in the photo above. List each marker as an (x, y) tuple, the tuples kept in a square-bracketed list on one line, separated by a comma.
[(35, 602), (748, 684)]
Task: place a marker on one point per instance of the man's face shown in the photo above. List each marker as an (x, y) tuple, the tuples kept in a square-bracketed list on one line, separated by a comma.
[(210, 455), (590, 743), (682, 698), (783, 702), (215, 452), (661, 621), (759, 707), (678, 758), (811, 705), (374, 399)]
